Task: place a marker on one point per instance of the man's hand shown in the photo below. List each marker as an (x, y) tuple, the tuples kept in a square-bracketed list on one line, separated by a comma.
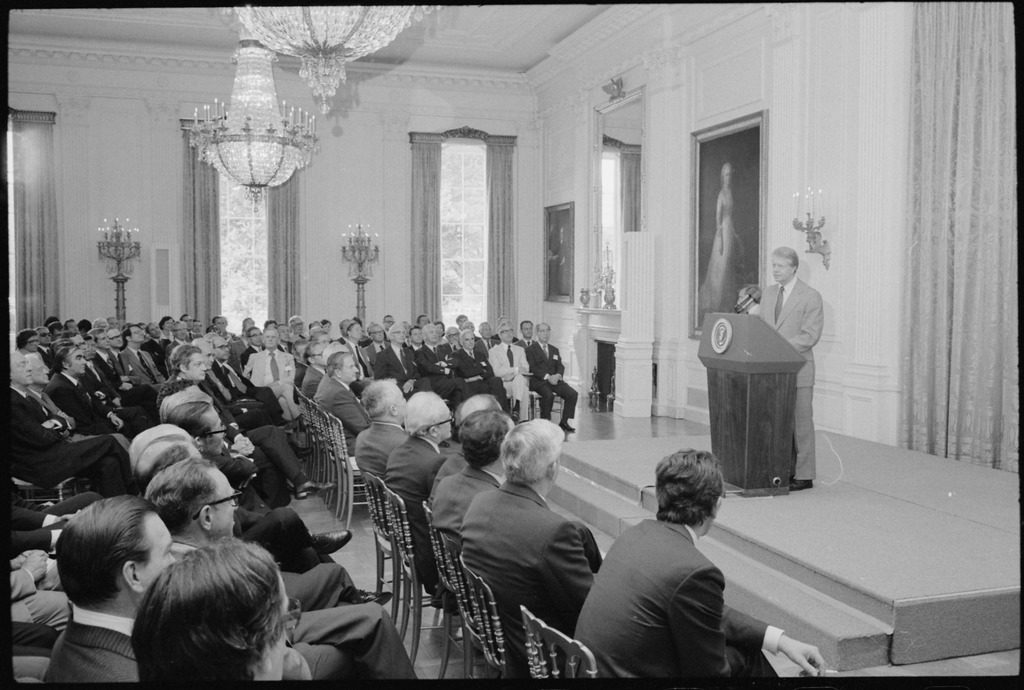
[(804, 655), (295, 666), (407, 386), (242, 445), (116, 421), (53, 424), (553, 379), (35, 564)]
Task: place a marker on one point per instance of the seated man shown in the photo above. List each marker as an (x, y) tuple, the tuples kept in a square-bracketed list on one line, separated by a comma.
[(107, 557), (70, 394), (452, 342), (378, 341), (547, 368), (108, 363), (41, 452), (455, 460), (136, 363), (351, 336), (656, 608), (509, 364), (436, 369), (476, 371), (410, 473), (525, 551), (33, 579), (336, 396), (396, 362), (136, 417), (481, 434), (385, 406), (276, 370), (239, 388), (36, 526), (197, 503)]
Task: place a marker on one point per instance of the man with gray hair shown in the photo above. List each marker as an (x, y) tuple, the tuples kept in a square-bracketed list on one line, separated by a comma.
[(411, 469), (336, 396), (525, 551), (385, 405)]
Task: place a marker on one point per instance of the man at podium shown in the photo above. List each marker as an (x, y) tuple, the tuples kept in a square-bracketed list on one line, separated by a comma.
[(793, 308)]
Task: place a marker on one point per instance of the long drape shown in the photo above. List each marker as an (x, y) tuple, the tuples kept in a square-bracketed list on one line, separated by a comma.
[(34, 202), (201, 235), (283, 298), (960, 362), (426, 223), (630, 187), (501, 269)]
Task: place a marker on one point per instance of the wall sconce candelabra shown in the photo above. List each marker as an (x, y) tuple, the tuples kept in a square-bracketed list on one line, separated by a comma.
[(606, 280), (361, 257), (810, 204), (119, 249)]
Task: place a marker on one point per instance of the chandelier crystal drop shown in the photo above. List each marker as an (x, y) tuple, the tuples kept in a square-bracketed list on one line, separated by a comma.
[(255, 141), (325, 38)]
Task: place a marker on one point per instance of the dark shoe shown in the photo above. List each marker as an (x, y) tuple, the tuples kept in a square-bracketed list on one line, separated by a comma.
[(329, 542), (364, 597), (800, 484), (566, 427), (304, 489)]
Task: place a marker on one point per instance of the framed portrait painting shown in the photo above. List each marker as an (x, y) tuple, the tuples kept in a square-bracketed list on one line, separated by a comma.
[(729, 179), (558, 252)]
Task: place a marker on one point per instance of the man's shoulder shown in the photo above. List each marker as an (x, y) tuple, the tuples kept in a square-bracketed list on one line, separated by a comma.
[(85, 653)]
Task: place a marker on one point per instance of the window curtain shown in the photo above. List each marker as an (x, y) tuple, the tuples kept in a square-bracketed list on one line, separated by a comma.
[(960, 359), (501, 249), (283, 267), (201, 237), (426, 223), (629, 157), (34, 202)]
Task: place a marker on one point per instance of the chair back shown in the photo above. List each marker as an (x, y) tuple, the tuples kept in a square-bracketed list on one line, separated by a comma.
[(444, 564), (345, 469), (484, 623), (549, 651), (401, 534), (377, 501)]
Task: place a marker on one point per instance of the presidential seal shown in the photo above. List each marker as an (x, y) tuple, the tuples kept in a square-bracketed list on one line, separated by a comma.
[(721, 336)]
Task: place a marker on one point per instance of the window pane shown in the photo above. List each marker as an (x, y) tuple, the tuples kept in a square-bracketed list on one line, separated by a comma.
[(463, 230), (243, 256)]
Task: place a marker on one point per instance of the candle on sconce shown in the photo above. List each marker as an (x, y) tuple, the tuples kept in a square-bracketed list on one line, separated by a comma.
[(821, 205)]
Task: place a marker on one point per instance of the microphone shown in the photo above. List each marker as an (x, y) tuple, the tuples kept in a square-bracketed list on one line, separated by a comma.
[(750, 297)]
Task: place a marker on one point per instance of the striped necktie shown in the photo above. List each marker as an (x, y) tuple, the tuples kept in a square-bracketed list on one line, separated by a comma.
[(778, 302)]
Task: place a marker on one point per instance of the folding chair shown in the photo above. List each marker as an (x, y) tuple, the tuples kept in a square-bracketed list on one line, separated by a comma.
[(548, 651)]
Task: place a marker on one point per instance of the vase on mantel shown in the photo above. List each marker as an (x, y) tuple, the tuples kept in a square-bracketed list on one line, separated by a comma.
[(609, 297), (585, 297)]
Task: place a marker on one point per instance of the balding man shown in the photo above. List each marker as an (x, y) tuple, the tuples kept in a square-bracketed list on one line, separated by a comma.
[(396, 362), (455, 460), (526, 552), (335, 394), (385, 405), (436, 368)]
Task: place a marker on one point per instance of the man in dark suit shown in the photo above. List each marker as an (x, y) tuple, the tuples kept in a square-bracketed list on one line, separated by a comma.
[(108, 364), (351, 337), (396, 362), (239, 389), (656, 608), (547, 368), (34, 527), (481, 434), (338, 399), (436, 369), (138, 366), (154, 347), (525, 551), (385, 406), (451, 342), (41, 453), (107, 557), (476, 371), (794, 309), (411, 469), (378, 342)]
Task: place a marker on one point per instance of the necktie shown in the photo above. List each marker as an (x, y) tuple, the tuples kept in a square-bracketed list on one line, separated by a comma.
[(511, 360), (233, 377), (778, 302), (275, 372), (144, 358), (545, 348), (225, 393)]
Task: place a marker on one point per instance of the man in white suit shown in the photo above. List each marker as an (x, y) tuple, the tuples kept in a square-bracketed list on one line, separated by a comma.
[(794, 309), (510, 365), (275, 370)]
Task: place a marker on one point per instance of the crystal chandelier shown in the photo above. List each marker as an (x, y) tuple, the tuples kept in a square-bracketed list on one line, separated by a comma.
[(254, 141), (325, 38)]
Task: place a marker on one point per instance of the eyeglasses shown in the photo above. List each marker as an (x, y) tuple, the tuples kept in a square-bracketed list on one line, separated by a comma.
[(291, 621), (450, 420), (213, 432), (233, 498)]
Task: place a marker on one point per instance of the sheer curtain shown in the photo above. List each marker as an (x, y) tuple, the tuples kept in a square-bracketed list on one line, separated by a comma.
[(283, 298), (960, 375), (426, 223), (201, 236), (501, 250), (34, 202), (629, 155)]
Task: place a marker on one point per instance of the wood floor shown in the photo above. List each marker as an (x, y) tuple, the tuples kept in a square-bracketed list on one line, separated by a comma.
[(358, 558)]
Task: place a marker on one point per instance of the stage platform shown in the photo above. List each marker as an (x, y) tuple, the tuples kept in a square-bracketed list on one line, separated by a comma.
[(893, 557)]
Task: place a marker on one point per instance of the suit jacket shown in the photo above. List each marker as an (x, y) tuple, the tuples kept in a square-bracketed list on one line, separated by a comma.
[(445, 349), (541, 365), (529, 555), (410, 474), (388, 366), (375, 443), (89, 415), (429, 362), (370, 352), (244, 355), (343, 404), (87, 654), (98, 386), (311, 381), (452, 495), (111, 370), (498, 358), (156, 353), (656, 609), (362, 363), (257, 365), (800, 323), (132, 364), (467, 366)]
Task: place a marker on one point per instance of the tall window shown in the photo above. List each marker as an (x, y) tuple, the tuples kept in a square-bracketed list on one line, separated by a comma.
[(243, 255), (611, 214), (463, 230)]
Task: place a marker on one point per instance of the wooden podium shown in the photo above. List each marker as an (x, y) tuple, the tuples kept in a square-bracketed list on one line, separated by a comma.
[(751, 393)]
